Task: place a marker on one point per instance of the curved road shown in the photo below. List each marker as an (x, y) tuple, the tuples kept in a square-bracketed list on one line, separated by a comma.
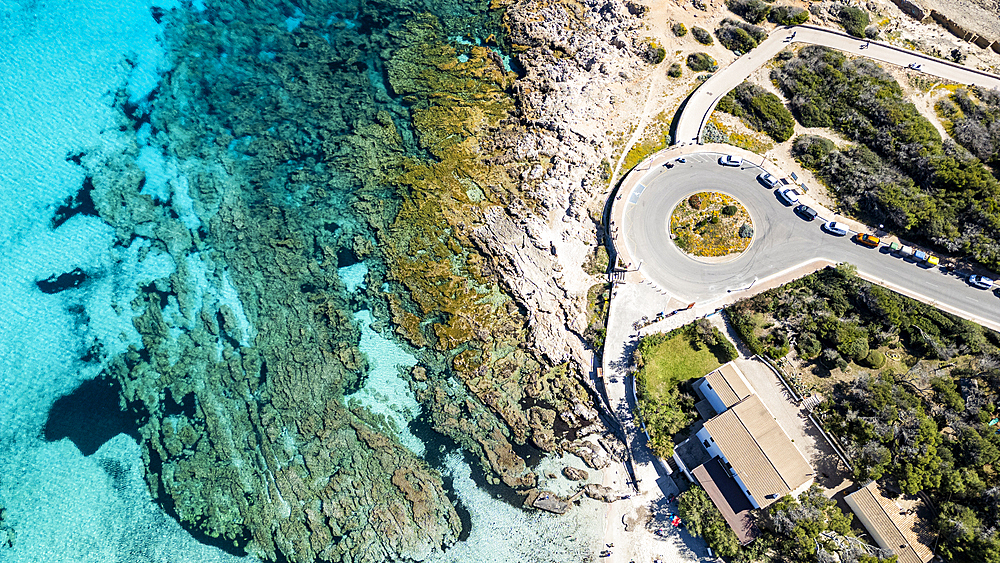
[(700, 104), (782, 240)]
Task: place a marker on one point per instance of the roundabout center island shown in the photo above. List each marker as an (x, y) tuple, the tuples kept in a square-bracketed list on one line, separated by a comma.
[(711, 226)]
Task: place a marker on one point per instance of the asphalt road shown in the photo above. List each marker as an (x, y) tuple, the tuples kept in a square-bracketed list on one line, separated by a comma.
[(701, 103), (782, 241)]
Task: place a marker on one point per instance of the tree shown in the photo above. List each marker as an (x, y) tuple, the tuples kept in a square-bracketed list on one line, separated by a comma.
[(704, 520), (854, 20), (701, 36), (754, 11), (788, 15)]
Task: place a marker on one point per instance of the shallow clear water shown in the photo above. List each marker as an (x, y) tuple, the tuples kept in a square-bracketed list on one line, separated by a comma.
[(71, 73)]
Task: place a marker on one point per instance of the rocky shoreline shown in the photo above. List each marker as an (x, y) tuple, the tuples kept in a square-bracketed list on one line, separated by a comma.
[(476, 190)]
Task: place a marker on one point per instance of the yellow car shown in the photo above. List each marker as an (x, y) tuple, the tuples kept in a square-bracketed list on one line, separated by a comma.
[(867, 240)]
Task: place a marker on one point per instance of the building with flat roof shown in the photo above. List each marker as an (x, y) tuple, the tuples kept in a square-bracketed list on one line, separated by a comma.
[(890, 527), (761, 457), (753, 461)]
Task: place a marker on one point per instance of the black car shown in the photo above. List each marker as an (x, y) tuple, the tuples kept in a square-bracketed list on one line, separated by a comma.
[(806, 212)]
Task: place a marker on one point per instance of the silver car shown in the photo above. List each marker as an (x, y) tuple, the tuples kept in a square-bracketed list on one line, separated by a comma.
[(981, 282), (731, 160), (768, 180), (789, 195), (835, 228)]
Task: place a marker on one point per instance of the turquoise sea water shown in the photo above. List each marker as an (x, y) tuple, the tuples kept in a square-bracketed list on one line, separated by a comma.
[(78, 84)]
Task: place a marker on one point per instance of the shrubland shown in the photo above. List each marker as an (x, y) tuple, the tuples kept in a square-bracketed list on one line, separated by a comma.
[(899, 172)]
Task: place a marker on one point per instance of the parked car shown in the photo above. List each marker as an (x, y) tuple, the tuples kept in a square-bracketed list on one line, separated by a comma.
[(768, 180), (835, 228), (789, 195), (868, 240), (731, 160), (806, 212), (982, 282)]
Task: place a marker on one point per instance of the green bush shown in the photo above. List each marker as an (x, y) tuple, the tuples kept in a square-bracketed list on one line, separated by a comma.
[(759, 109), (754, 11), (735, 39), (874, 359), (700, 62), (810, 150), (655, 54), (854, 20), (701, 36), (808, 348), (788, 15), (746, 230), (729, 210), (679, 29), (704, 520), (674, 71), (739, 36)]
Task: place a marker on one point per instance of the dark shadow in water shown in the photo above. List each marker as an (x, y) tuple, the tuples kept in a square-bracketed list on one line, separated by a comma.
[(346, 257), (62, 282), (90, 416), (80, 204)]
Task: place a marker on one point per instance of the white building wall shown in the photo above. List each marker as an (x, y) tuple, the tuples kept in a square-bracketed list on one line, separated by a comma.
[(711, 396), (713, 450)]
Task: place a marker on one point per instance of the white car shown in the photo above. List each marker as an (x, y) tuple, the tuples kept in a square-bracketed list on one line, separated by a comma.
[(789, 195), (768, 180), (835, 228), (731, 160), (980, 281)]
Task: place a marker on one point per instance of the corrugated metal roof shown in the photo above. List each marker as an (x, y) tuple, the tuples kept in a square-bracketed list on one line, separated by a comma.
[(760, 452), (729, 384), (882, 519)]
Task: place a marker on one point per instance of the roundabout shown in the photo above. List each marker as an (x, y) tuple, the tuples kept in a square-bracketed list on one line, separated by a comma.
[(784, 245)]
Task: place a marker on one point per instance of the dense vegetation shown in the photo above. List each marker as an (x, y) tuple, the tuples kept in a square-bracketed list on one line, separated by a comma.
[(674, 71), (701, 35), (804, 530), (974, 122), (704, 520), (739, 36), (854, 20), (921, 427), (699, 62), (666, 363), (813, 528), (788, 15), (754, 11), (679, 29), (901, 174), (760, 109)]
